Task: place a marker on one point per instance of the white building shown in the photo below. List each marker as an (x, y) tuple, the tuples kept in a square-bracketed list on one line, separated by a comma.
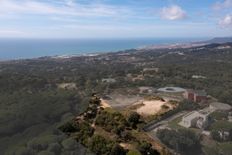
[(198, 119)]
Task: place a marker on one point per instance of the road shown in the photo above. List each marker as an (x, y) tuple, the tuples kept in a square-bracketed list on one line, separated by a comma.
[(164, 122)]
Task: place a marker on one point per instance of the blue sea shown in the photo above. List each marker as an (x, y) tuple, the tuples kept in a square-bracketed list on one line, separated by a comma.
[(33, 48)]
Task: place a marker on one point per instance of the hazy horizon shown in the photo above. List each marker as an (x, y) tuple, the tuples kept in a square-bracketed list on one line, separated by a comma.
[(34, 48), (115, 19)]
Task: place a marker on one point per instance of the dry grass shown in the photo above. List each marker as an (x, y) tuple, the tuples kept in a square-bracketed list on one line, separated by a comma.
[(151, 107), (136, 106)]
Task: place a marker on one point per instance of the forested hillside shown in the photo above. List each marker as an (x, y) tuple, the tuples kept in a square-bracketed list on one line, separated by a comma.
[(38, 95)]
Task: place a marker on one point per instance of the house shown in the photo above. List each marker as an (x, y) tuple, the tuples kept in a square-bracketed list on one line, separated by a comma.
[(199, 119), (195, 95)]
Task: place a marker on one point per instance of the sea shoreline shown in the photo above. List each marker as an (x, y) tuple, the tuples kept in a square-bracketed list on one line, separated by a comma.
[(16, 49)]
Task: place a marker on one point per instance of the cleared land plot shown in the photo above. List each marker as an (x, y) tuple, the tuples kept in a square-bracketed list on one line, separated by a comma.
[(151, 107), (121, 101)]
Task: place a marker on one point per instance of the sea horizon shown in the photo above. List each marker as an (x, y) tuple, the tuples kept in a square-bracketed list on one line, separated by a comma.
[(23, 48)]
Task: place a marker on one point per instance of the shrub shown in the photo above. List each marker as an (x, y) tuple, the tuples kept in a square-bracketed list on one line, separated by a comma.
[(45, 153), (117, 150), (69, 127), (133, 119), (55, 148), (114, 122), (145, 148), (133, 153), (100, 145), (181, 140), (215, 135)]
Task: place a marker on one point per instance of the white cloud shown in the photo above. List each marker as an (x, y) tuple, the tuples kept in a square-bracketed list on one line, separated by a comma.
[(11, 33), (138, 30), (68, 7), (70, 3), (223, 5), (174, 12), (226, 21)]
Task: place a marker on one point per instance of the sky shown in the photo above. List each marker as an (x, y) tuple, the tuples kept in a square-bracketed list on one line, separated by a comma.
[(115, 18)]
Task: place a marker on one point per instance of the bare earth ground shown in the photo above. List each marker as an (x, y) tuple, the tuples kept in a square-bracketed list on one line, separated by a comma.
[(105, 104), (151, 107), (119, 101)]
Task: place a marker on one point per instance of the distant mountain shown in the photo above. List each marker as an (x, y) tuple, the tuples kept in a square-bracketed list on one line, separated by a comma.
[(219, 40)]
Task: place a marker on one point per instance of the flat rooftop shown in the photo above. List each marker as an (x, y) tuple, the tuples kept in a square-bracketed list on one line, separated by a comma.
[(220, 106)]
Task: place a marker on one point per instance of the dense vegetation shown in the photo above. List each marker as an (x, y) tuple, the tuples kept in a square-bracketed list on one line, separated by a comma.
[(104, 133), (32, 104), (112, 122), (183, 141)]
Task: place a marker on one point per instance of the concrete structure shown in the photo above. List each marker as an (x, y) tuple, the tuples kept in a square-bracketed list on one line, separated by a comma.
[(189, 120), (220, 106), (195, 96), (171, 90), (224, 135), (199, 119)]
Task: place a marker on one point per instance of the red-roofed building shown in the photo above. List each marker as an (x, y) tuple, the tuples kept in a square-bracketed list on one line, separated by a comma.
[(195, 96)]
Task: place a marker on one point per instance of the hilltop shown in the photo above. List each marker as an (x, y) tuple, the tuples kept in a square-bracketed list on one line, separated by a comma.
[(39, 95)]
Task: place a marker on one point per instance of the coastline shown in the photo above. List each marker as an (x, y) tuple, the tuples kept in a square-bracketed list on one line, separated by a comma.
[(57, 51), (16, 49)]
